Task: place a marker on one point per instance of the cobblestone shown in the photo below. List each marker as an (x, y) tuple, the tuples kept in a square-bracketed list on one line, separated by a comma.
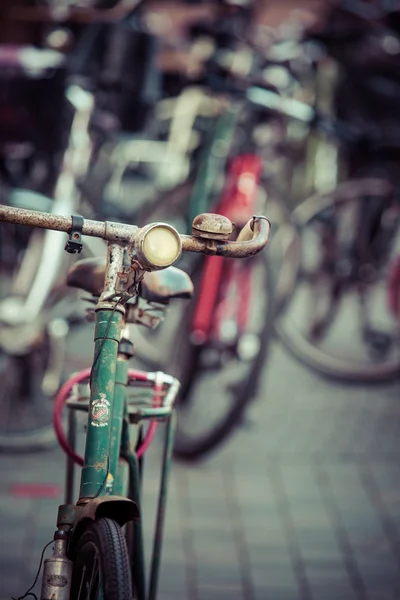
[(302, 503)]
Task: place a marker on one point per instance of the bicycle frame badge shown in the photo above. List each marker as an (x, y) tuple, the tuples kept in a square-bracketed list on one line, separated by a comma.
[(100, 412)]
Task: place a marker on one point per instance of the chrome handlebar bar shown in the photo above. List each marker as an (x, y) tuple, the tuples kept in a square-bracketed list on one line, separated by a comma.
[(253, 237)]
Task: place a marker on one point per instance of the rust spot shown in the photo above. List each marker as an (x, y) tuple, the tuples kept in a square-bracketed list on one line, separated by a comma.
[(99, 466), (209, 225), (57, 580)]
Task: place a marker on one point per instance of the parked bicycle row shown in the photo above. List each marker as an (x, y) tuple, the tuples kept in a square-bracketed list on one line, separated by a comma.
[(110, 131), (266, 119)]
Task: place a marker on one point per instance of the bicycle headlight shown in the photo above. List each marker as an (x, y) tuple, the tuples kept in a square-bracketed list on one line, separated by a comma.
[(158, 246)]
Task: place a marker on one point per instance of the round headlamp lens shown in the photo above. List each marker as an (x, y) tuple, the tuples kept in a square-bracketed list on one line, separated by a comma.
[(161, 246)]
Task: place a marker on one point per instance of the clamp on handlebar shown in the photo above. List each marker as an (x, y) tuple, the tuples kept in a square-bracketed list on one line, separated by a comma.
[(74, 244)]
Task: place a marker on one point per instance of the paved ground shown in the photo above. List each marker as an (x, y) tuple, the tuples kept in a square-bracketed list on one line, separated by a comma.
[(303, 503)]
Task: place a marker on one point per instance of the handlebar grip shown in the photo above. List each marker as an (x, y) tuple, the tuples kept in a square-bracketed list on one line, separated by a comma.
[(247, 232), (253, 238)]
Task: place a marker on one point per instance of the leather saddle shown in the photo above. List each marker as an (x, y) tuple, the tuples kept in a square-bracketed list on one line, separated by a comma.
[(157, 286)]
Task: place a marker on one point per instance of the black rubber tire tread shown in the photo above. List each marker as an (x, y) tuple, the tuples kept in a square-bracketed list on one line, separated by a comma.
[(192, 449), (110, 542)]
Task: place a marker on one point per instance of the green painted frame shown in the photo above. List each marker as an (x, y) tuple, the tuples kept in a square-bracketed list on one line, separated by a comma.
[(111, 468)]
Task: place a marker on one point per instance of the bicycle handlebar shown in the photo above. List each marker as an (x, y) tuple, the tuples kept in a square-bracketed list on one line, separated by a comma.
[(245, 246), (254, 238)]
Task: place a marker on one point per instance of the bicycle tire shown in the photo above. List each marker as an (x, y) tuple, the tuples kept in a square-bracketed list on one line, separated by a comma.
[(26, 423), (102, 545), (295, 342), (26, 411), (334, 368), (190, 447)]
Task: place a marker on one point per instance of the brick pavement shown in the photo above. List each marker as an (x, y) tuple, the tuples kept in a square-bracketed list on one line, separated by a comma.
[(303, 503)]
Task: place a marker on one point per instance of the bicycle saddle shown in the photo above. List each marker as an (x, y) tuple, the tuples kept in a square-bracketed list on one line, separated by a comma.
[(157, 286)]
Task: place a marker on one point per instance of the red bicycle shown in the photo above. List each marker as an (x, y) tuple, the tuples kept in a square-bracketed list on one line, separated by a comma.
[(223, 336)]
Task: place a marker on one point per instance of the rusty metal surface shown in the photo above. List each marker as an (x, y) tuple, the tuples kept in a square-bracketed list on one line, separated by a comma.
[(114, 266), (243, 249), (127, 234), (113, 232), (212, 226), (57, 573), (120, 233), (44, 220), (119, 508), (67, 515), (89, 274)]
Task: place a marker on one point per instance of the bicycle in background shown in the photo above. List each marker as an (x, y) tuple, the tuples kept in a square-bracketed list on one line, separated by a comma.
[(337, 320)]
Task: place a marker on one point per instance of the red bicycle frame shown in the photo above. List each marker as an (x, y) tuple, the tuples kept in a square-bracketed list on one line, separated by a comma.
[(221, 291)]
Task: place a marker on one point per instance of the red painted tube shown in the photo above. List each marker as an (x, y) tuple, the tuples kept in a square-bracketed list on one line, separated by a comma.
[(208, 297), (152, 428), (240, 193), (237, 203)]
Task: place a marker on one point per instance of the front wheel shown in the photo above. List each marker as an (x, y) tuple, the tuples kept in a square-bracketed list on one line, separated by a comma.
[(101, 568)]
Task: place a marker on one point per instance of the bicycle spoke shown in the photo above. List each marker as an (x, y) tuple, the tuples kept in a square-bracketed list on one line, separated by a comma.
[(81, 582)]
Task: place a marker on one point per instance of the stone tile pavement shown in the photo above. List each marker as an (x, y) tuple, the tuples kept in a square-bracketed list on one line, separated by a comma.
[(303, 503)]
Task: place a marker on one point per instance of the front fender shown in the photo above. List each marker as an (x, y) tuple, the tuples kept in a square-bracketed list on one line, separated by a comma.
[(118, 508)]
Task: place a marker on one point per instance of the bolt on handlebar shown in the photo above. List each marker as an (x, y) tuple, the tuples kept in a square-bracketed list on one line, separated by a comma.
[(252, 239)]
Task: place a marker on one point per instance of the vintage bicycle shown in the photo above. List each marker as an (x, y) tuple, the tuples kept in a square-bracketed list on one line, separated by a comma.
[(98, 548)]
